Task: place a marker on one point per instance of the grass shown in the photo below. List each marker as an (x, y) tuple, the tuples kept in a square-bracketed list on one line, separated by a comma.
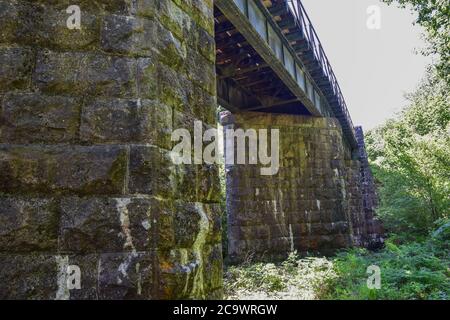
[(414, 270), (293, 279)]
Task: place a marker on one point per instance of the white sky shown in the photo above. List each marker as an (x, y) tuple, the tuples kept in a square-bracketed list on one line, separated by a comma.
[(375, 68)]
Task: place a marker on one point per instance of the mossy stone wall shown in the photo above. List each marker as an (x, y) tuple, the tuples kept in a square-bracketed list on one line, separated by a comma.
[(85, 172), (313, 204)]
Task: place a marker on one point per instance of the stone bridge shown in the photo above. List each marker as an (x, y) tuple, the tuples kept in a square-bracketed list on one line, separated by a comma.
[(92, 205)]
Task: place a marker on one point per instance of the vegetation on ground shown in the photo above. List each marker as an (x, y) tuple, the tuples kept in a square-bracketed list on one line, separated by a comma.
[(410, 159), (412, 270), (293, 279)]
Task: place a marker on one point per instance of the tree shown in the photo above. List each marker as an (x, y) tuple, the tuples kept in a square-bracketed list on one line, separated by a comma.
[(411, 159)]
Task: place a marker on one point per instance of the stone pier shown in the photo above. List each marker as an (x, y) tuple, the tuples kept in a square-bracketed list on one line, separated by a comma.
[(86, 177), (313, 204)]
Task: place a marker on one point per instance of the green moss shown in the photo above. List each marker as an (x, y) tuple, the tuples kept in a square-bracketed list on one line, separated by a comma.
[(118, 171), (206, 23), (198, 290), (171, 57), (170, 98), (171, 25)]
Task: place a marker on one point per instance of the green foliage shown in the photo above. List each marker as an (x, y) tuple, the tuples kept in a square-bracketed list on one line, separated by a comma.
[(417, 270), (429, 111), (434, 17), (414, 270), (410, 159), (442, 233), (294, 278), (255, 276)]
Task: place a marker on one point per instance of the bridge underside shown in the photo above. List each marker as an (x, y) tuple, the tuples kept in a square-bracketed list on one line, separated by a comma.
[(245, 82)]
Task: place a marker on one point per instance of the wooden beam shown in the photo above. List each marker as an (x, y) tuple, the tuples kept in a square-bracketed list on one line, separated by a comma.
[(273, 104), (254, 76), (236, 54), (227, 40), (246, 70), (224, 27), (278, 87), (253, 83)]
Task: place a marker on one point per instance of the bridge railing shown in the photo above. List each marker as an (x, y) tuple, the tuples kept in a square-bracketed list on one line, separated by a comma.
[(310, 34)]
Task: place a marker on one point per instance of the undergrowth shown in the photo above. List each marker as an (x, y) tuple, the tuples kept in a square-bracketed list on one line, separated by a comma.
[(414, 270)]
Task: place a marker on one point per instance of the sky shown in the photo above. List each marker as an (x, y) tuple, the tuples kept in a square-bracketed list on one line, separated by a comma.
[(375, 68)]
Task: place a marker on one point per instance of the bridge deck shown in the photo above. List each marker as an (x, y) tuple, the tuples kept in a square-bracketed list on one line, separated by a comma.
[(269, 58)]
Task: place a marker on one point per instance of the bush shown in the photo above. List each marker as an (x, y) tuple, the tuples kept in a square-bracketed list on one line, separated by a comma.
[(294, 278), (417, 270), (410, 158)]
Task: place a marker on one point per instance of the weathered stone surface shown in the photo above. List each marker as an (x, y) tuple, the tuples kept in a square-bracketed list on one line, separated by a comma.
[(85, 74), (196, 182), (28, 225), (17, 23), (201, 11), (203, 105), (141, 37), (174, 88), (34, 117), (36, 24), (123, 7), (92, 225), (126, 276), (122, 121), (151, 171), (118, 224), (15, 68), (204, 42), (148, 80), (175, 17), (86, 178), (51, 30), (187, 223), (208, 183), (193, 267), (8, 20), (149, 8), (28, 277), (312, 203), (214, 267), (83, 170), (373, 231), (156, 217), (200, 71)]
